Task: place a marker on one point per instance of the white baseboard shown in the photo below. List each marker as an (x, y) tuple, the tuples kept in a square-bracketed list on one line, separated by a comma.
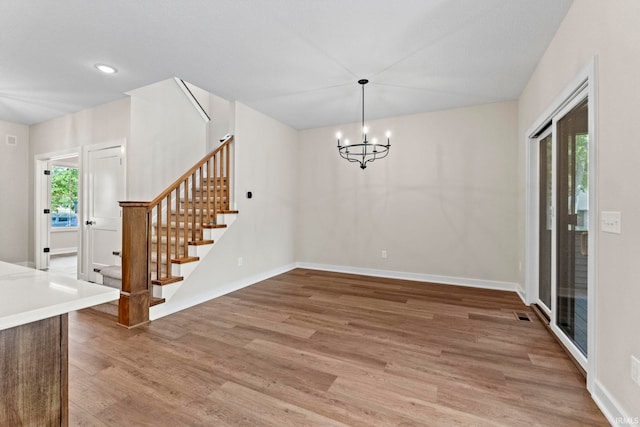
[(63, 251), (167, 308), (611, 408), (522, 295), (419, 277)]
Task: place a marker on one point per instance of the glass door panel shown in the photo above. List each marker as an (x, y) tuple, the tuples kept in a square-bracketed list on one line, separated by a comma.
[(572, 224)]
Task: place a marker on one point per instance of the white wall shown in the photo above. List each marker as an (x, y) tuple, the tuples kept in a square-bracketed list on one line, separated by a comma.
[(263, 233), (14, 186), (442, 203), (168, 137), (609, 30), (107, 122), (221, 112), (63, 241), (99, 124)]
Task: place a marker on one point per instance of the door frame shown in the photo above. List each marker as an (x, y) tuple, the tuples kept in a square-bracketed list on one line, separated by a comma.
[(585, 82), (41, 224), (120, 142), (535, 165)]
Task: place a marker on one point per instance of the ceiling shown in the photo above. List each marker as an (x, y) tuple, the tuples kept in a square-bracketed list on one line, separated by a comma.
[(295, 60)]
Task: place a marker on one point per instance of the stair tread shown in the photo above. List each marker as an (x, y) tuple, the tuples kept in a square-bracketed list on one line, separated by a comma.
[(185, 260), (112, 271), (173, 260), (201, 242), (214, 226), (167, 280), (155, 301)]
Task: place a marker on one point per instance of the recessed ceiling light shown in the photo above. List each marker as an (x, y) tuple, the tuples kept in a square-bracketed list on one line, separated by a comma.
[(107, 69)]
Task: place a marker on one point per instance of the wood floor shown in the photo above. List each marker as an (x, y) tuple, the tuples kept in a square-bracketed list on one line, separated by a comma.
[(314, 348)]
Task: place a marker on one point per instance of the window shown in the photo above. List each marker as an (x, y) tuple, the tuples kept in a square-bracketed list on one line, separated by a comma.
[(64, 196)]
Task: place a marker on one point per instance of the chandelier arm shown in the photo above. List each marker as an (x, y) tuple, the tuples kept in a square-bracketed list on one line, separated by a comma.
[(346, 156), (353, 160), (385, 154), (375, 156)]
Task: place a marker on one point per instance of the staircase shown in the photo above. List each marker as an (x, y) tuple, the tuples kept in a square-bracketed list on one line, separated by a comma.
[(182, 263), (164, 240)]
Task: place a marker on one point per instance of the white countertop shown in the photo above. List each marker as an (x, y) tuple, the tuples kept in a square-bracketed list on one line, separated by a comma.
[(28, 295)]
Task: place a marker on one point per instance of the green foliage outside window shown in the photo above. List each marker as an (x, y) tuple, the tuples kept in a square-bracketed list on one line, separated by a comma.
[(582, 161), (64, 196)]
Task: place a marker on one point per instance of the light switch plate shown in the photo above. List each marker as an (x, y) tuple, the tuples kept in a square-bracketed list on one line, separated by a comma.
[(610, 222)]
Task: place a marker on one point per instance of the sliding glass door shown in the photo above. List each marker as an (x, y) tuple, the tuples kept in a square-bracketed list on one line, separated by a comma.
[(573, 224), (563, 224)]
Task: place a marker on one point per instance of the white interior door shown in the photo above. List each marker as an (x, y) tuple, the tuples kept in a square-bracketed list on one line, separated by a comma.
[(103, 220)]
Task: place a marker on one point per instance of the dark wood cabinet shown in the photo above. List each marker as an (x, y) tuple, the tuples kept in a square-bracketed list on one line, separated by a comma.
[(33, 374)]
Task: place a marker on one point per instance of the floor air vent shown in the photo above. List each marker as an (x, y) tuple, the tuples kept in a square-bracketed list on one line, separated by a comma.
[(522, 316)]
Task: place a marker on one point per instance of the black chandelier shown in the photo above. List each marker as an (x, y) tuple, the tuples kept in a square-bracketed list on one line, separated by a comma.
[(366, 151)]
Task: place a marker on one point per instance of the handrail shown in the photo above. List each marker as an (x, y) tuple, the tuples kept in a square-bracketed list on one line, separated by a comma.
[(190, 172)]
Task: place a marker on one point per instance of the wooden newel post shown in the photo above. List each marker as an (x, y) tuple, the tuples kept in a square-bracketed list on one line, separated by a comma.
[(133, 308)]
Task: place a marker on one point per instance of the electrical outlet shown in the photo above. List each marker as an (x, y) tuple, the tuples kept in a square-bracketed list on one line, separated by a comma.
[(384, 254), (635, 370), (239, 261)]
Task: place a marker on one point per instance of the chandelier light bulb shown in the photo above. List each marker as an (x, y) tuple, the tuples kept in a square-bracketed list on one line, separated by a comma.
[(365, 130), (388, 134), (374, 140), (338, 135), (346, 142)]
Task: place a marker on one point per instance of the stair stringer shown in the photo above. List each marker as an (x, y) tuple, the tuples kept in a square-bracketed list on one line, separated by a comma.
[(185, 270)]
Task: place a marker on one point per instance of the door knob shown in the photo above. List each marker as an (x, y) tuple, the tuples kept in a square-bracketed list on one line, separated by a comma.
[(90, 222)]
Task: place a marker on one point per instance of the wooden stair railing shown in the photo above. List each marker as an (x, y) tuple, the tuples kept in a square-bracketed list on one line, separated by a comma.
[(158, 233)]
